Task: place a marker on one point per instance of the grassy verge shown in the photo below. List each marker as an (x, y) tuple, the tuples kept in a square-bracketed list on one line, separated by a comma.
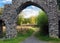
[(19, 38), (47, 38)]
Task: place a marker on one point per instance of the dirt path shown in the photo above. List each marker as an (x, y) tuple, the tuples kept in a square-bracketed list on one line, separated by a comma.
[(32, 39)]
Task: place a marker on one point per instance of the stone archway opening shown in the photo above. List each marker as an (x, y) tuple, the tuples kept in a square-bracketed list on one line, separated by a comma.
[(2, 29), (27, 4), (59, 28)]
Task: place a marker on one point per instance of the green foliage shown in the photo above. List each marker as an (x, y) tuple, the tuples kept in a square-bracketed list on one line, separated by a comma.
[(20, 19), (20, 37), (26, 20), (58, 3), (1, 11), (46, 38), (32, 20), (42, 19), (42, 22)]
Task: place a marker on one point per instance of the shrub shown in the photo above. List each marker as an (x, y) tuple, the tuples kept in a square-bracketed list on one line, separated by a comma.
[(42, 22), (27, 32)]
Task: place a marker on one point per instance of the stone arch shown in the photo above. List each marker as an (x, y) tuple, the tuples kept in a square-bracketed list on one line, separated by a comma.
[(12, 10), (26, 4)]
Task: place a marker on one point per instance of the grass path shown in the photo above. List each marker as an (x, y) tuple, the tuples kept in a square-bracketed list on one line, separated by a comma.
[(32, 39)]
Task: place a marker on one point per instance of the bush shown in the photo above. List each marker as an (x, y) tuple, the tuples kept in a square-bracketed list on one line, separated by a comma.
[(20, 19), (25, 31), (42, 22)]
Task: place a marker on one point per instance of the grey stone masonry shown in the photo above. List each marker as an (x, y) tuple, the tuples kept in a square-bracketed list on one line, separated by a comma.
[(11, 12)]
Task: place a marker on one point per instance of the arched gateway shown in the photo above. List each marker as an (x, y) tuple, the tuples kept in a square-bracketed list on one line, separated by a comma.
[(11, 12)]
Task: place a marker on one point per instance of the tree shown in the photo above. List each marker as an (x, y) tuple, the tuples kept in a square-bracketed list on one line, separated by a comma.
[(42, 22), (20, 19), (32, 20), (26, 21), (1, 11), (58, 3)]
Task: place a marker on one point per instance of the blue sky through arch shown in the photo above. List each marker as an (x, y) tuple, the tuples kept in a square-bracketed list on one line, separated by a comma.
[(29, 10), (3, 2)]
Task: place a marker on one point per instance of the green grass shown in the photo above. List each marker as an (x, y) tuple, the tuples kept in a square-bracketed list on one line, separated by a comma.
[(47, 38), (20, 37)]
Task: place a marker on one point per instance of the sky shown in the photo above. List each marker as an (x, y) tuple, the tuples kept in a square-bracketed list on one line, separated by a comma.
[(3, 2), (29, 11)]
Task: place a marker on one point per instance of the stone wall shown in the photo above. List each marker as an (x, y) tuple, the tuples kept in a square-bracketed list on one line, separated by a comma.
[(11, 12)]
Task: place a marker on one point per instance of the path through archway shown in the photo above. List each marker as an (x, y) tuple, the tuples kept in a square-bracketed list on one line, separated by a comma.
[(22, 11)]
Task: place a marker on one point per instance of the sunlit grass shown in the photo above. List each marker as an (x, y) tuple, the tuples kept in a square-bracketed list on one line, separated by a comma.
[(20, 37), (35, 29), (14, 40), (47, 38)]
